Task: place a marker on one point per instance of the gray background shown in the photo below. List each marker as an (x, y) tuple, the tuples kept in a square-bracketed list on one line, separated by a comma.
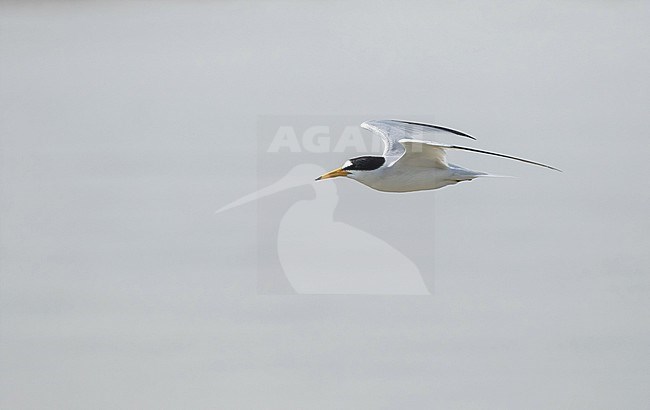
[(125, 125)]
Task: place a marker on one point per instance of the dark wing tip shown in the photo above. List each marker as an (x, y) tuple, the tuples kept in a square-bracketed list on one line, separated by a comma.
[(437, 127), (544, 165), (540, 164), (496, 154)]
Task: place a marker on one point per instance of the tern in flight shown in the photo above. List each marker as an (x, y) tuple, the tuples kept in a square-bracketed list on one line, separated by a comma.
[(409, 164)]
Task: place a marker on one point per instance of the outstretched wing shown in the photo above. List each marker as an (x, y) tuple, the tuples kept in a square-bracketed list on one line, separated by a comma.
[(392, 131), (432, 154), (422, 154)]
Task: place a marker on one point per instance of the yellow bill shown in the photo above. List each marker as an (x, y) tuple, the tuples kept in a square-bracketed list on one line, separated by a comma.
[(339, 172)]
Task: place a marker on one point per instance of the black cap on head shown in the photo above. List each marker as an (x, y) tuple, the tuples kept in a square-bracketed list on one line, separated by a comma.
[(367, 163)]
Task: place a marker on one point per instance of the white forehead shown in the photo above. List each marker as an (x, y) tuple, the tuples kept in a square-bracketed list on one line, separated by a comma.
[(347, 164)]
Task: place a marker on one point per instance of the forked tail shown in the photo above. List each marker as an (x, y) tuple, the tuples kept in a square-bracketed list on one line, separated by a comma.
[(463, 174)]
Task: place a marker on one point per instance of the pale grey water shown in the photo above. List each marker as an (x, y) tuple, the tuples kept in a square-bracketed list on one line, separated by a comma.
[(121, 289)]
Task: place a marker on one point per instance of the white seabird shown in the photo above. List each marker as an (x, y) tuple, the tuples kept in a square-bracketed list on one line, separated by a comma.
[(409, 164)]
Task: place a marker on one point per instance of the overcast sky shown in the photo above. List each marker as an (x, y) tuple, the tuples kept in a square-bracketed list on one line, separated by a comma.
[(124, 126)]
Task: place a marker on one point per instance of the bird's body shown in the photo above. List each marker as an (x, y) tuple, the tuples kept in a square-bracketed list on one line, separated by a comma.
[(410, 164), (407, 179)]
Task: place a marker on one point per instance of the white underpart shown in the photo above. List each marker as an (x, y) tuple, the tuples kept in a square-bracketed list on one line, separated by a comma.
[(400, 178)]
